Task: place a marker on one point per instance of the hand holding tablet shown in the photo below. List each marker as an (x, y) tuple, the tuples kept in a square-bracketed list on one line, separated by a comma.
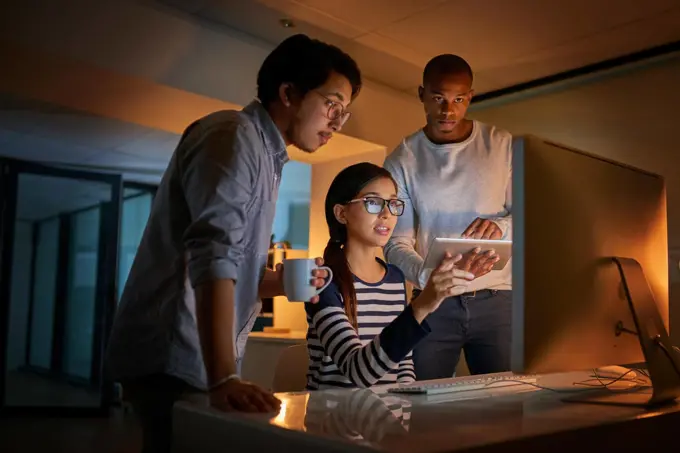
[(460, 246)]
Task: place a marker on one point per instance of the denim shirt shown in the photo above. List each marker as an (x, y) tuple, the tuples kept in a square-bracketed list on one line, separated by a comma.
[(211, 219)]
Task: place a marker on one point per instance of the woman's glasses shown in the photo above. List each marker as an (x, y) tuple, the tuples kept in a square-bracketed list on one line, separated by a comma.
[(375, 205)]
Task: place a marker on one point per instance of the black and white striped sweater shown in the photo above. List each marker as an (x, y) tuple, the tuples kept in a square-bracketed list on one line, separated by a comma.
[(380, 352)]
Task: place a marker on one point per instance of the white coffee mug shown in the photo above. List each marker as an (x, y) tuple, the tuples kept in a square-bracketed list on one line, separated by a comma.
[(297, 279)]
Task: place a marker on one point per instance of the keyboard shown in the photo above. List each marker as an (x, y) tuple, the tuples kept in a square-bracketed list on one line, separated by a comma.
[(487, 382)]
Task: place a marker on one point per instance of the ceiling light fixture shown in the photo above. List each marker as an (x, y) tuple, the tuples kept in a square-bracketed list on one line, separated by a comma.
[(287, 23)]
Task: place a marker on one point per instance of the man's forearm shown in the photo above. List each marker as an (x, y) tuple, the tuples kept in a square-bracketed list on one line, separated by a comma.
[(215, 318), (270, 286), (404, 256)]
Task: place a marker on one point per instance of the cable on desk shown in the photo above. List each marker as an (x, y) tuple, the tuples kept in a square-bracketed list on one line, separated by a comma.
[(640, 384), (621, 378), (643, 372)]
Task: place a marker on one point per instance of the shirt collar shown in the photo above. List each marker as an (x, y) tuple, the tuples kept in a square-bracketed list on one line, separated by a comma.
[(273, 139)]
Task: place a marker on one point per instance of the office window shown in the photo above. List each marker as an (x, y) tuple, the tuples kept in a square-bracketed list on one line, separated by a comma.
[(21, 294), (44, 292), (291, 222), (134, 215)]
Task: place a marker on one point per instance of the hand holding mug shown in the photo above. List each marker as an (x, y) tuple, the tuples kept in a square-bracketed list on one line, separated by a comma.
[(304, 279)]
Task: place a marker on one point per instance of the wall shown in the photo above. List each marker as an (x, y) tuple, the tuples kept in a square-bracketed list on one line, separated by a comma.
[(630, 116), (322, 176), (162, 46)]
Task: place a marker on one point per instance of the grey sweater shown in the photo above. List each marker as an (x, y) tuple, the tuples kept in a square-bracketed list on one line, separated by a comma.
[(446, 187)]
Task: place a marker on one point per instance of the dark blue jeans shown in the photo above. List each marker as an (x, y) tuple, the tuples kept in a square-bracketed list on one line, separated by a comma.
[(478, 323)]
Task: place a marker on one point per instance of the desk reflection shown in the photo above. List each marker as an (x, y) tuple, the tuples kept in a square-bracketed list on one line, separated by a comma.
[(361, 416)]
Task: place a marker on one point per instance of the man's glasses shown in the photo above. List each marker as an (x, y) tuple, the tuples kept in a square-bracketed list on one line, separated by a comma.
[(375, 205), (336, 111)]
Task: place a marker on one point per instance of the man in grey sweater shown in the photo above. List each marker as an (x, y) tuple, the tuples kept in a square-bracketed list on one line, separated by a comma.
[(455, 175)]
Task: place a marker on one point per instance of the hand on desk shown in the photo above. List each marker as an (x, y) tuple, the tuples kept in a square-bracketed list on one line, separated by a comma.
[(243, 396)]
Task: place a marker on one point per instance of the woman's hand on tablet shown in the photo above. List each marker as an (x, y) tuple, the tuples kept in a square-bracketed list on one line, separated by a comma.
[(445, 281)]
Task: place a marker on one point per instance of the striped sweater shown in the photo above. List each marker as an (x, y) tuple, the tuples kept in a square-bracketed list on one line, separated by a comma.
[(380, 352)]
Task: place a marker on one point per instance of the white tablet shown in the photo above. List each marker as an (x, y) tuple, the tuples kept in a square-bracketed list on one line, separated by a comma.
[(456, 246)]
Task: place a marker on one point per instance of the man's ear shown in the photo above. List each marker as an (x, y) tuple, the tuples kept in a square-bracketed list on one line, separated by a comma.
[(421, 93), (285, 94), (339, 212)]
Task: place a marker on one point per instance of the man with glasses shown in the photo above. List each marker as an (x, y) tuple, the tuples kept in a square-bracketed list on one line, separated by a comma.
[(455, 175), (194, 290)]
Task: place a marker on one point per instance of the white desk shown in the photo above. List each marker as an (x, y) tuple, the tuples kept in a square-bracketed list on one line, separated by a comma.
[(262, 354), (370, 420)]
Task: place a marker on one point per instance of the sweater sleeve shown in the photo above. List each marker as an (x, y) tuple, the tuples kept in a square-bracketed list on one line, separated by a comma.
[(400, 249), (407, 371), (504, 222)]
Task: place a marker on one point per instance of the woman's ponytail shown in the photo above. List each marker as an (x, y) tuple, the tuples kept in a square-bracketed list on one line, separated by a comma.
[(334, 257)]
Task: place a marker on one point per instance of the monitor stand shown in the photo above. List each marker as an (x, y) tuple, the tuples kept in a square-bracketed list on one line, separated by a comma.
[(663, 362)]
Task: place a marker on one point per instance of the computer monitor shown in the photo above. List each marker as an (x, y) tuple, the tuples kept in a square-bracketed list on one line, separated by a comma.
[(590, 265)]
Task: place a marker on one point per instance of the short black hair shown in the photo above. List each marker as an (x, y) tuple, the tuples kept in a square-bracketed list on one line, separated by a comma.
[(446, 64), (306, 64)]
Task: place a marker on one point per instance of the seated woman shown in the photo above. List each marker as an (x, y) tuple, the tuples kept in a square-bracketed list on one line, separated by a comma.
[(362, 331)]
